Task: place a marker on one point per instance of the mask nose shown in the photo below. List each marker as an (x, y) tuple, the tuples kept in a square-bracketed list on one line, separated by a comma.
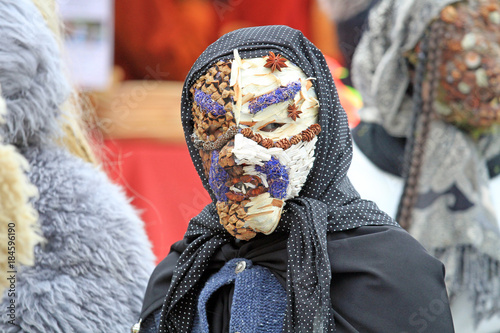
[(226, 156), (227, 160), (217, 144)]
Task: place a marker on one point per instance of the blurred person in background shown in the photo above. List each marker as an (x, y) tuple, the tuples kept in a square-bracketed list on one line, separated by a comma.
[(90, 270), (350, 18), (427, 149)]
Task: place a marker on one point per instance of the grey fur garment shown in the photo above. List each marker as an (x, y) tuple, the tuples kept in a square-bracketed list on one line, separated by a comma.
[(31, 78), (92, 270), (91, 274)]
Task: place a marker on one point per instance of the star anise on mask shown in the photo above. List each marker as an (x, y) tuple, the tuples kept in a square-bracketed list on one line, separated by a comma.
[(275, 62), (293, 112)]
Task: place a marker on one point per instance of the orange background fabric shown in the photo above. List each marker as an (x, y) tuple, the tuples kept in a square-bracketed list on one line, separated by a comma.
[(163, 184), (161, 39)]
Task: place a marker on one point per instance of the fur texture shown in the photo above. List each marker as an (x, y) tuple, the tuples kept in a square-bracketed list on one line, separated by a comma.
[(15, 209), (91, 271), (33, 84)]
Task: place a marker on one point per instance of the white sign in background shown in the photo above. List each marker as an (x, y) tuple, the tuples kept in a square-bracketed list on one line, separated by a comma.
[(89, 38)]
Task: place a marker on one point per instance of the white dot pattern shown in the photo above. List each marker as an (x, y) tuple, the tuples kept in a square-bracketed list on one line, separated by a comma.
[(327, 203)]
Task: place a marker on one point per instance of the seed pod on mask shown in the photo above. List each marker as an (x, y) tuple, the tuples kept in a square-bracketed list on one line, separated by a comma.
[(257, 138), (212, 88), (249, 179), (235, 196), (316, 128), (247, 132), (227, 160), (296, 139), (241, 212), (283, 144), (215, 96), (222, 207), (256, 191), (307, 135), (212, 71), (230, 228), (233, 208), (226, 70), (267, 143), (233, 219), (245, 234)]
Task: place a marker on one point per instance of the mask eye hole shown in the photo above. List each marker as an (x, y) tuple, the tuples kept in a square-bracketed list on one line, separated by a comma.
[(271, 127)]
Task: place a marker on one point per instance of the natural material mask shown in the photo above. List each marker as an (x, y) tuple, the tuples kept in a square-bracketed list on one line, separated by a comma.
[(255, 125)]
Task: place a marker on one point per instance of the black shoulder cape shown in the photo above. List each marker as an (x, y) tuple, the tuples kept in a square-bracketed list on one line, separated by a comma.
[(384, 281)]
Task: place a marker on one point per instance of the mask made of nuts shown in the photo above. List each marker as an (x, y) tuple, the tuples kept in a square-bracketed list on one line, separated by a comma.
[(255, 125), (469, 86)]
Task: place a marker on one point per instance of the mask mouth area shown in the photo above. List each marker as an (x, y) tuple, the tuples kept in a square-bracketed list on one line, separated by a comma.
[(245, 187), (254, 196), (243, 219)]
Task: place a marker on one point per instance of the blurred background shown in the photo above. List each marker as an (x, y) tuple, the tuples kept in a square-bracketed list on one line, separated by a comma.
[(129, 58)]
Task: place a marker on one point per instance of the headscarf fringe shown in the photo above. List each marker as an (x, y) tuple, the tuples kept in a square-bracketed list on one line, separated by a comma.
[(475, 273)]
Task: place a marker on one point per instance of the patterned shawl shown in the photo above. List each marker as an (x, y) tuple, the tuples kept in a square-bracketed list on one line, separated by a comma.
[(453, 216)]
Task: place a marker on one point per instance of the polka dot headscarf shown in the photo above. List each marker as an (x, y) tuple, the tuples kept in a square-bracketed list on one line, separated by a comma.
[(327, 202)]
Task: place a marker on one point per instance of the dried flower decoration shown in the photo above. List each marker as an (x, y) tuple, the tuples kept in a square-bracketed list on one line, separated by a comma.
[(275, 62), (277, 177), (279, 95), (207, 104), (293, 112)]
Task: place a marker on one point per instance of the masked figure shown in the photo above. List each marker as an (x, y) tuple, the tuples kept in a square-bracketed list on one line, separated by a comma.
[(276, 249), (429, 140)]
